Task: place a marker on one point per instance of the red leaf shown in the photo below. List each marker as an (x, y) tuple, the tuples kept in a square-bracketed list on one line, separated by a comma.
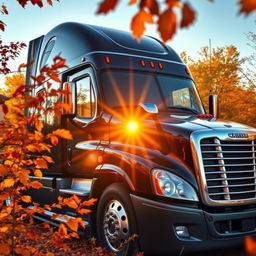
[(107, 5), (188, 16), (37, 2), (5, 109), (49, 2), (23, 2), (138, 23), (167, 24), (247, 6), (152, 5), (2, 25), (4, 9)]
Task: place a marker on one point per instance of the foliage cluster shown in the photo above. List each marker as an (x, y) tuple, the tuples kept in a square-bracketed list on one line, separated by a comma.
[(221, 73), (25, 151)]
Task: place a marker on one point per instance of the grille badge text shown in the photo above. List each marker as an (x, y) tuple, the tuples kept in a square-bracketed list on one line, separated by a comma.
[(238, 135)]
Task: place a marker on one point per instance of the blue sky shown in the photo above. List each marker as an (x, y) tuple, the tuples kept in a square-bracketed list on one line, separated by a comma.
[(219, 21)]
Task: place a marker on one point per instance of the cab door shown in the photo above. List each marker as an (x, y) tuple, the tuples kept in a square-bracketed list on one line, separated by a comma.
[(84, 125)]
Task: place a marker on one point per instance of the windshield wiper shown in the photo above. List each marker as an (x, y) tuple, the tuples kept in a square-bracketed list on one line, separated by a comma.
[(185, 109)]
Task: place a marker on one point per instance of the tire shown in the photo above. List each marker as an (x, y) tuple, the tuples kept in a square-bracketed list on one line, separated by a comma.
[(116, 222)]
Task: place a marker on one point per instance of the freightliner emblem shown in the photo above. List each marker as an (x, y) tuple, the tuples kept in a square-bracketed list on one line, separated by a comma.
[(238, 135)]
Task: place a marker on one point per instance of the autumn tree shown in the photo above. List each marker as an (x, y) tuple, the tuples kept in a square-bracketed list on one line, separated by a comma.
[(25, 152), (220, 73)]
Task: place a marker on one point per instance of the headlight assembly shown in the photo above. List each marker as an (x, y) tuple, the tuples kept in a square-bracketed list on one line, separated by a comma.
[(170, 185)]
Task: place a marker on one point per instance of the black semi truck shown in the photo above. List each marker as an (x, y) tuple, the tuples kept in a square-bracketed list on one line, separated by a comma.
[(144, 146)]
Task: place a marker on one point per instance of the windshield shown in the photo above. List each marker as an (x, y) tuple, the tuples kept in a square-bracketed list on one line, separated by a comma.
[(122, 88)]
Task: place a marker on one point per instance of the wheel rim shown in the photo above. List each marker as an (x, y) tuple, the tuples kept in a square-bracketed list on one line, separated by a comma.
[(116, 225)]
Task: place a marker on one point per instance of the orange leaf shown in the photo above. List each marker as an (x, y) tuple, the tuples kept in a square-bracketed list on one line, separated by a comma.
[(49, 2), (48, 159), (173, 3), (83, 211), (54, 140), (131, 2), (41, 163), (65, 134), (31, 235), (188, 16), (62, 229), (167, 24), (35, 184), (39, 125), (5, 249), (250, 246), (106, 6), (59, 63), (26, 199), (90, 202), (72, 224), (38, 173), (8, 182), (70, 203), (138, 23), (3, 170), (247, 6), (4, 9)]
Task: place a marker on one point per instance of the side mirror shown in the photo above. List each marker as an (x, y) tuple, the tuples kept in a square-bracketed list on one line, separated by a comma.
[(149, 108), (213, 105), (69, 98)]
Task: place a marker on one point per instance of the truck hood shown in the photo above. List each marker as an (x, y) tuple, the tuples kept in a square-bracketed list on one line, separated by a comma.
[(181, 125)]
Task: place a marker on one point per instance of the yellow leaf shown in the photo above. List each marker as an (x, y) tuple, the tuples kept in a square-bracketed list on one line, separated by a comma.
[(26, 199), (3, 229), (38, 173), (8, 182)]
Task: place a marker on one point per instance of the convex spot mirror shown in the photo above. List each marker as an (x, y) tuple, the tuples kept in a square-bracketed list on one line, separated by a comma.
[(70, 97), (149, 108)]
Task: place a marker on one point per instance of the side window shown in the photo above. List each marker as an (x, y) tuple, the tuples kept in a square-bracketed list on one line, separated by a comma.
[(85, 106)]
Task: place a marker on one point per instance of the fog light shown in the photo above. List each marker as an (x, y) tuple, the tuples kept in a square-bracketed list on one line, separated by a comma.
[(182, 231)]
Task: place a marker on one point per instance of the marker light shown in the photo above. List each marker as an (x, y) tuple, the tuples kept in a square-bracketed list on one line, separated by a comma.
[(143, 63), (108, 60), (160, 65), (132, 126), (152, 64)]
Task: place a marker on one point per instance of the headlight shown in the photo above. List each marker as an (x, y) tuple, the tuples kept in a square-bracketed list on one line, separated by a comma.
[(170, 185)]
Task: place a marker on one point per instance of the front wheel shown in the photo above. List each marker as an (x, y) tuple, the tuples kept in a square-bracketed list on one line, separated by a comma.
[(116, 224)]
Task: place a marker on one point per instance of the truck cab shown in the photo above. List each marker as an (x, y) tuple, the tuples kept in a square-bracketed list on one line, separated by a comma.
[(144, 146)]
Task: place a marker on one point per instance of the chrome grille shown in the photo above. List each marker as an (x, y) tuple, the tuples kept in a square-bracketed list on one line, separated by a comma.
[(229, 168)]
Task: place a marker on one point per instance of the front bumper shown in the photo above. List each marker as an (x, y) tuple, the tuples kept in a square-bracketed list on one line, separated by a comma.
[(157, 221)]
